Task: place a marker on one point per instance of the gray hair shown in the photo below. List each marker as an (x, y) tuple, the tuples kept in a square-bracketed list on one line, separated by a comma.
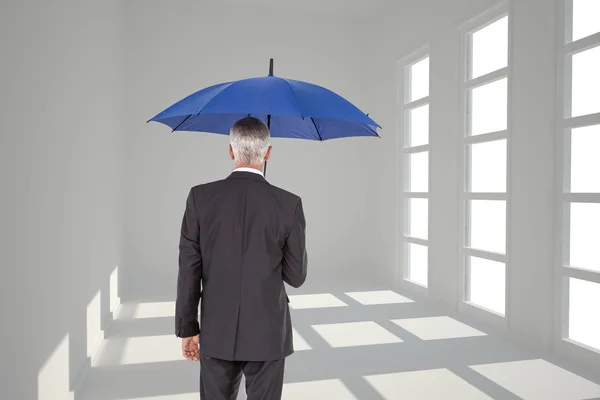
[(249, 138)]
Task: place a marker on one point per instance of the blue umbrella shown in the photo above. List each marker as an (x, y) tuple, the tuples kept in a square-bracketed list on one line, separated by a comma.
[(291, 109), (297, 110)]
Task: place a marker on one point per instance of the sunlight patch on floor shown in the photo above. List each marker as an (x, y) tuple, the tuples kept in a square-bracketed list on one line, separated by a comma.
[(299, 343), (305, 301), (378, 297), (151, 349), (424, 385), (539, 380), (182, 396), (435, 328), (326, 389), (355, 334), (163, 309)]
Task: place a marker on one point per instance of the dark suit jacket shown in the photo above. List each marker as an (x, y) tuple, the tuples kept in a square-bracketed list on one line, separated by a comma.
[(241, 239)]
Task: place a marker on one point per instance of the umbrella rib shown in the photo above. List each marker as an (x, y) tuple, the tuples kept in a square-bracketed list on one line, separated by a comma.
[(181, 123), (300, 108), (317, 129), (294, 95), (215, 96)]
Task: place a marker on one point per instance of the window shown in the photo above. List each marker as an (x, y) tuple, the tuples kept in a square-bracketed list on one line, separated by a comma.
[(579, 138), (586, 14), (415, 197), (484, 194)]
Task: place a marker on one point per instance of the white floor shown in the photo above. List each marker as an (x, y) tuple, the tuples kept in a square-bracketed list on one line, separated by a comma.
[(350, 345)]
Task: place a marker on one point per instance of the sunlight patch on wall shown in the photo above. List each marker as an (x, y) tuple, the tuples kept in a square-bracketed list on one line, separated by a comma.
[(53, 379), (95, 335), (115, 299)]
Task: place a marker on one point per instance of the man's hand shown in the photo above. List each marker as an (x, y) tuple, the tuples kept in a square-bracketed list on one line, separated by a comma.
[(190, 347)]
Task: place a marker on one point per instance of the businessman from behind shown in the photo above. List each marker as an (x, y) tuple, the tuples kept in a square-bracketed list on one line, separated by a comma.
[(241, 239)]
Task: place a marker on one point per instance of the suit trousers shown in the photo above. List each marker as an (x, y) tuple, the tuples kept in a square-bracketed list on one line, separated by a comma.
[(220, 379)]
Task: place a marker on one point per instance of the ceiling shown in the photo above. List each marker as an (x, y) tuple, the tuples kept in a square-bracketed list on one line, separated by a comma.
[(355, 8)]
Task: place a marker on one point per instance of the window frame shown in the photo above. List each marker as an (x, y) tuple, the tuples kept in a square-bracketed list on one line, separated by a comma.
[(404, 105), (566, 48), (466, 84)]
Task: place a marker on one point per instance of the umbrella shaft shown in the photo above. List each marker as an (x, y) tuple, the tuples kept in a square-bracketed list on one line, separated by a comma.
[(268, 126)]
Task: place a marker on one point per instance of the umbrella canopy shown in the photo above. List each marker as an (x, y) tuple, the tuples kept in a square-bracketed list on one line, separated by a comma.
[(293, 109)]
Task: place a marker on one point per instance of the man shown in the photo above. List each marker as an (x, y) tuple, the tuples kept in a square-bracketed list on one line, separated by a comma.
[(241, 239)]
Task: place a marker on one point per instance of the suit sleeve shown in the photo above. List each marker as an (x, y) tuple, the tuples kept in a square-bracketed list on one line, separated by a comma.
[(295, 259), (190, 273)]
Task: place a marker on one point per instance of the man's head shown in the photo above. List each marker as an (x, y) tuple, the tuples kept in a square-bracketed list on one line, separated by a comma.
[(249, 143)]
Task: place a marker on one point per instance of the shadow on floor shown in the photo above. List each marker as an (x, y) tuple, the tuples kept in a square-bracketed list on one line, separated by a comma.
[(376, 345)]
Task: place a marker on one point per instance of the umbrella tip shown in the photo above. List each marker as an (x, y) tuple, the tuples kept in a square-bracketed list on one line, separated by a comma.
[(271, 67)]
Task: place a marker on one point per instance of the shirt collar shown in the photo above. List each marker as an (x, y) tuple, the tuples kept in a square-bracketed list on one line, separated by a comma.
[(246, 169)]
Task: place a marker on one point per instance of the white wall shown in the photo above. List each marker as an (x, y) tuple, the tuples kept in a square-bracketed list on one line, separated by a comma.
[(532, 154), (175, 48), (534, 168), (73, 83), (404, 30), (60, 155)]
